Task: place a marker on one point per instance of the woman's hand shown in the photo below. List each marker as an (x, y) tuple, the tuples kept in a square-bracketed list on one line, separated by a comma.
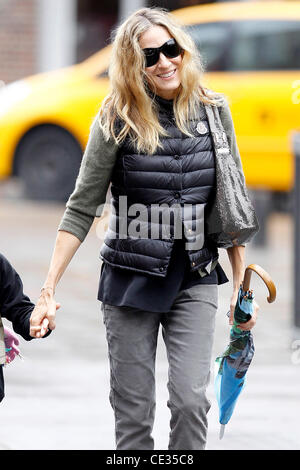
[(236, 256), (43, 315), (249, 324)]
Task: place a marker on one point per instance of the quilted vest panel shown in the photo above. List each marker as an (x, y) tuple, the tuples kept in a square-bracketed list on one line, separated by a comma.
[(157, 198)]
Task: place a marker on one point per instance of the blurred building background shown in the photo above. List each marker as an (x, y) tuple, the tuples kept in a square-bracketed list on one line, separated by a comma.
[(42, 35)]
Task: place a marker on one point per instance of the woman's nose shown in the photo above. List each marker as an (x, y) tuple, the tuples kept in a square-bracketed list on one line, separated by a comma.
[(163, 60)]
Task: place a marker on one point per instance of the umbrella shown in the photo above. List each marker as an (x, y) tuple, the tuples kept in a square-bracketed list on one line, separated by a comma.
[(232, 365)]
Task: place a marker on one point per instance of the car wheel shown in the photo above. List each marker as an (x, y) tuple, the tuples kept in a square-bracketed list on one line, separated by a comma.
[(47, 161)]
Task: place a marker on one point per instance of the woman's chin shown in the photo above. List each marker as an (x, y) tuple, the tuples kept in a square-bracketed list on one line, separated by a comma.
[(167, 92)]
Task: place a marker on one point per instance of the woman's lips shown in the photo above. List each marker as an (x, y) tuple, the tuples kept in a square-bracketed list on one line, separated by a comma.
[(168, 75)]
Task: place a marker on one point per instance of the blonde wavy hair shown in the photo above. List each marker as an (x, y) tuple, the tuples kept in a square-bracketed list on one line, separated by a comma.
[(128, 101)]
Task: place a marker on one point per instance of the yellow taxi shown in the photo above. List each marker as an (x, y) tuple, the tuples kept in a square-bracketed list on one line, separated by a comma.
[(252, 54)]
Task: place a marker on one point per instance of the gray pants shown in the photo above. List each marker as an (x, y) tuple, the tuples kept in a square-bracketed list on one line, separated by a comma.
[(188, 330)]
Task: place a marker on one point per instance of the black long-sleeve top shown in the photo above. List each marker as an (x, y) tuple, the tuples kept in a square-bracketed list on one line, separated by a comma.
[(15, 306), (127, 288)]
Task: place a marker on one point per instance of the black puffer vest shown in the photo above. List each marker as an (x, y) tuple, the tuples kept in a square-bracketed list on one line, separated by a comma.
[(181, 174)]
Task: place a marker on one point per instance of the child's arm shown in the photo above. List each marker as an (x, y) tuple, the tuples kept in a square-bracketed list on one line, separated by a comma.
[(15, 306)]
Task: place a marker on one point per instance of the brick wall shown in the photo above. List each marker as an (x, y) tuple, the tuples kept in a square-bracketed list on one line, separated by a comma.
[(18, 39)]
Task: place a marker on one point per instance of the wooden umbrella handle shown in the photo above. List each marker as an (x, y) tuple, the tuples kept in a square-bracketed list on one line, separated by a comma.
[(265, 277)]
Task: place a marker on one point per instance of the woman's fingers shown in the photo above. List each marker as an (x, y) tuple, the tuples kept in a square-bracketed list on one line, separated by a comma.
[(246, 326), (252, 322), (35, 331), (51, 314), (35, 328), (44, 327), (43, 316), (48, 322)]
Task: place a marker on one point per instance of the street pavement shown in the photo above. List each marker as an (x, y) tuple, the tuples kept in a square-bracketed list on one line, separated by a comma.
[(57, 397)]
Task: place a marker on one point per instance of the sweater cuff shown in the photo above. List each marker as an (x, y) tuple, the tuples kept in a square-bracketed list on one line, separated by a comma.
[(76, 222)]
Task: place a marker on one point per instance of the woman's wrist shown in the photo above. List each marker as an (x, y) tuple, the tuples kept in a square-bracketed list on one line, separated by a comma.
[(236, 286), (47, 289)]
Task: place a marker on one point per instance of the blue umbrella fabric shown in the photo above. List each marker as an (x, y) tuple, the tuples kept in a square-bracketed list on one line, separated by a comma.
[(231, 367)]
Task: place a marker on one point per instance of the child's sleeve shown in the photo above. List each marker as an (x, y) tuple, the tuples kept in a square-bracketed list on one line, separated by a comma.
[(15, 306)]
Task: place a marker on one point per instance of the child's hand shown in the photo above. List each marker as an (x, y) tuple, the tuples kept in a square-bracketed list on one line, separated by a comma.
[(11, 343)]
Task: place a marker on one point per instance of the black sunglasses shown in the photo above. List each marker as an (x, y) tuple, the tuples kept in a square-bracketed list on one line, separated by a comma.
[(170, 49)]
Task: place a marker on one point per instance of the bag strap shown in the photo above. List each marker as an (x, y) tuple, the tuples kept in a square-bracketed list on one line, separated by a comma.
[(217, 130)]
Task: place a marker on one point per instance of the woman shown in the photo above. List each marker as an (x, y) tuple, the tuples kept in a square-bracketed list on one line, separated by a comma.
[(152, 141)]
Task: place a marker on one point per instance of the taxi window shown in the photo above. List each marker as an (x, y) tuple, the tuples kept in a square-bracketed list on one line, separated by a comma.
[(214, 43), (265, 45)]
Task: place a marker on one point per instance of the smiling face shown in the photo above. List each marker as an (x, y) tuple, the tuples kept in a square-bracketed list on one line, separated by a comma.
[(165, 74)]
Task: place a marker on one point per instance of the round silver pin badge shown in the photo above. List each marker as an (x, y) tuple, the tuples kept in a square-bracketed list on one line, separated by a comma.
[(201, 128)]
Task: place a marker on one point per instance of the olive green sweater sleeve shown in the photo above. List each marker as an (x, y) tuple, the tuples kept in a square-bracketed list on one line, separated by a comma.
[(89, 195)]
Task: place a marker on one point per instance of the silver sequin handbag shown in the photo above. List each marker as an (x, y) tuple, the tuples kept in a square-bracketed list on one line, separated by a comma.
[(231, 220)]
